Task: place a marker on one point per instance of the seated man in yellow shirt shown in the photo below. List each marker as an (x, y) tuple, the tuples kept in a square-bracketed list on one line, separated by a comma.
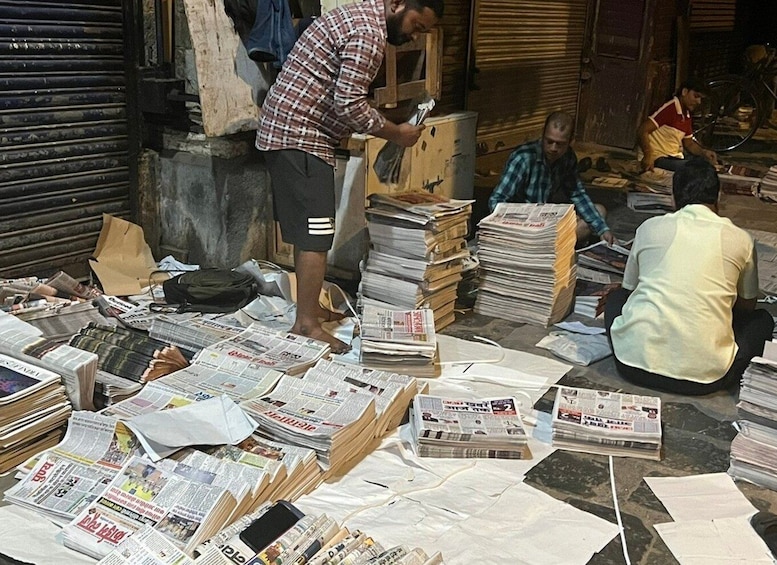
[(684, 320), (666, 137)]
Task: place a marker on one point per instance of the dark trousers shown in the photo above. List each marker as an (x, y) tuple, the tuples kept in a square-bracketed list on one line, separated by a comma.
[(751, 330), (669, 163)]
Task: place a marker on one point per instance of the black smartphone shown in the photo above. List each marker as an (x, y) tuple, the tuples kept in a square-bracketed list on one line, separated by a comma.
[(271, 525)]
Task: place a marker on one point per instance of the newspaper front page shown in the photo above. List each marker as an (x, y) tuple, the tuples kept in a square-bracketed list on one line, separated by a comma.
[(257, 347), (607, 422), (69, 476), (144, 493)]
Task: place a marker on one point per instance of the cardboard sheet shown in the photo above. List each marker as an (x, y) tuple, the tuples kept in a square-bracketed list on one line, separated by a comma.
[(122, 259)]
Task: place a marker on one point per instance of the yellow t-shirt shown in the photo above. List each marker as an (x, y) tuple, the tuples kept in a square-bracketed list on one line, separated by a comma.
[(686, 270)]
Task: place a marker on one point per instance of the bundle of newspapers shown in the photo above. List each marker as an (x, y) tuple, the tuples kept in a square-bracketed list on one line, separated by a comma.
[(768, 189), (417, 245), (488, 428), (99, 485), (527, 262), (754, 449), (33, 409), (399, 340), (77, 368), (393, 392), (607, 423), (651, 192), (277, 533), (321, 412), (259, 346)]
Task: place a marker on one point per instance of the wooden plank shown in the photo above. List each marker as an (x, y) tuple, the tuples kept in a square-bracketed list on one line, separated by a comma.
[(229, 82)]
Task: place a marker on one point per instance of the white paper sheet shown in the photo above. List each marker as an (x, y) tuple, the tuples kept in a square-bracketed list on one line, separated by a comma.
[(727, 541), (215, 421), (28, 537), (580, 328), (701, 497)]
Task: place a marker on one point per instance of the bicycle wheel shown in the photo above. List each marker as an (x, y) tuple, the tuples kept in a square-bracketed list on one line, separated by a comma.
[(728, 116)]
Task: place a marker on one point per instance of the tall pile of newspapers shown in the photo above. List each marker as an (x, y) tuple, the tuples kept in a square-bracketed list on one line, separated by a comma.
[(754, 449), (527, 261), (417, 245)]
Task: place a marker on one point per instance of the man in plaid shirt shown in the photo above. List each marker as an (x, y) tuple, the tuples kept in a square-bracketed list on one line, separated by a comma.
[(546, 171), (319, 98)]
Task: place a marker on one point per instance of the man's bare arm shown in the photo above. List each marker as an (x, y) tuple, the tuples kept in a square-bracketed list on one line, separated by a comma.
[(643, 138), (692, 147)]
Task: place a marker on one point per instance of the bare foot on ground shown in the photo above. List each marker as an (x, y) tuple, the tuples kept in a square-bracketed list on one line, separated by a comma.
[(318, 333)]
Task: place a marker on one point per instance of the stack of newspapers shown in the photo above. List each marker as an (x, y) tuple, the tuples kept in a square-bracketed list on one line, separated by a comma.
[(651, 192), (393, 392), (259, 346), (607, 423), (527, 262), (33, 407), (416, 250), (190, 333), (181, 506), (399, 340), (754, 449), (96, 446), (278, 533), (488, 428), (768, 189), (77, 368), (319, 413)]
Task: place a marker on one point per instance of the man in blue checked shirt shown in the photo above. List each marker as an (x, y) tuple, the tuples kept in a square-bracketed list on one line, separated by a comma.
[(546, 171)]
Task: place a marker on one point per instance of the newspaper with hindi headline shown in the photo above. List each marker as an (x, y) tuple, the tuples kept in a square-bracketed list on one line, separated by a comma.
[(259, 347), (66, 477), (145, 493), (493, 419), (614, 423)]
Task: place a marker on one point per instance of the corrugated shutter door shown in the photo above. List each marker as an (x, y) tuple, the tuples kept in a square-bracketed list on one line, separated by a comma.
[(528, 56), (713, 15), (63, 131)]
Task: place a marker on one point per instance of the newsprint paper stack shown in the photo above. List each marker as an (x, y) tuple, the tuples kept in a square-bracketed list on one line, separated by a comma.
[(399, 340), (292, 537), (754, 449), (607, 423), (527, 261), (33, 407), (488, 428), (417, 248)]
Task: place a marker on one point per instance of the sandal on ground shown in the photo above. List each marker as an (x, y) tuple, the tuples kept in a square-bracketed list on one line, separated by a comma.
[(765, 525)]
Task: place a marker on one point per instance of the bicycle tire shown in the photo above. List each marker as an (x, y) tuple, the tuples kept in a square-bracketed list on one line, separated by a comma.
[(728, 116)]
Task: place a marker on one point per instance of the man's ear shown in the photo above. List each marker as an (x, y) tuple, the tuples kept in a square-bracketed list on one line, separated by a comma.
[(396, 5)]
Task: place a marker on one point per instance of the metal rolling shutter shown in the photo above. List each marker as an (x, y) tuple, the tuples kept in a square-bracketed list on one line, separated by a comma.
[(63, 131), (528, 55)]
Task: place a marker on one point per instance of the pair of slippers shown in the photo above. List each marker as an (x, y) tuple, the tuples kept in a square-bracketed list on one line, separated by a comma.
[(586, 163)]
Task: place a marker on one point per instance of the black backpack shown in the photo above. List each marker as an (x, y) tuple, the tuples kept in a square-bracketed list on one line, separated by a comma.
[(210, 290)]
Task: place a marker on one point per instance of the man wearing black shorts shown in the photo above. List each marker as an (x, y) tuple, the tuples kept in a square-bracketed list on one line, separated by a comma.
[(319, 98)]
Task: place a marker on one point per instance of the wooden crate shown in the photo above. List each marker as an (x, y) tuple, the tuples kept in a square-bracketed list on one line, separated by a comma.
[(410, 69)]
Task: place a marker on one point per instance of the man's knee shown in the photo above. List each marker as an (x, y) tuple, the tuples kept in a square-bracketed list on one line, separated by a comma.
[(602, 210)]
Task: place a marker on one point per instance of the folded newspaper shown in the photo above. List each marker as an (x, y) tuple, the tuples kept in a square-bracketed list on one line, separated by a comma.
[(607, 423), (489, 428), (388, 163)]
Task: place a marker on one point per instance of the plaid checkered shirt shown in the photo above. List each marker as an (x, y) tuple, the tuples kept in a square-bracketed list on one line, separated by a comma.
[(320, 95), (528, 178)]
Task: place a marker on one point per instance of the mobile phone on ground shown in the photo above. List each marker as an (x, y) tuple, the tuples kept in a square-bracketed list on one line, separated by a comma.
[(271, 525)]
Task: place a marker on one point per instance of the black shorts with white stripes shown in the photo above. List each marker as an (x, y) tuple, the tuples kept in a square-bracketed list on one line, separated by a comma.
[(303, 188)]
